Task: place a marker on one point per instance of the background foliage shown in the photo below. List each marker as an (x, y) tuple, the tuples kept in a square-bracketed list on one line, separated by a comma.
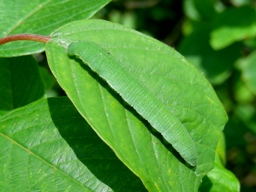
[(218, 37)]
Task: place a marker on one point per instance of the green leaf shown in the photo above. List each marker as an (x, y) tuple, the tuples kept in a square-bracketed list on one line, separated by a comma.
[(119, 125), (199, 10), (215, 65), (190, 10), (47, 78), (248, 68), (234, 24), (35, 156), (238, 3), (40, 17), (221, 149), (21, 82), (220, 179), (243, 93), (50, 83), (247, 114)]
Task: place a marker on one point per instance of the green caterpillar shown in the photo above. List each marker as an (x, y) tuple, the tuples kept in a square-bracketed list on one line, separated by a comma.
[(137, 95)]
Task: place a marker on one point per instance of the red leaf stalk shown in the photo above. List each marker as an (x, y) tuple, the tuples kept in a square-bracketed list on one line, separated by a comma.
[(29, 37)]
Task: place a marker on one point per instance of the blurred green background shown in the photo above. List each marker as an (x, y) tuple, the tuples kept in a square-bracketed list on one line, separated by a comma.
[(218, 37)]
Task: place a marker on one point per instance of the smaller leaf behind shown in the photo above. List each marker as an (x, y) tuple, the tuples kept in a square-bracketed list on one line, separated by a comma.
[(219, 179), (137, 95)]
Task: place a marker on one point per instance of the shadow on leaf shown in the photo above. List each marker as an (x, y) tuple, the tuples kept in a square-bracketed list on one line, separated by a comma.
[(90, 149)]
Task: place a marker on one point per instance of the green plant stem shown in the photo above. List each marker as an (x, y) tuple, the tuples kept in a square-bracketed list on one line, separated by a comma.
[(29, 37)]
